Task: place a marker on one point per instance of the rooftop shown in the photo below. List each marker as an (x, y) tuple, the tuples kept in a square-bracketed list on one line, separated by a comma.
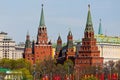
[(107, 39)]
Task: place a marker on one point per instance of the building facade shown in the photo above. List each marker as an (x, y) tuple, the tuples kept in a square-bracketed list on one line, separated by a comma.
[(8, 48), (88, 54), (42, 48)]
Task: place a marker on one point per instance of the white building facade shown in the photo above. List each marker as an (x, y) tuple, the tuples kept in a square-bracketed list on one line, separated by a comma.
[(109, 47), (8, 48)]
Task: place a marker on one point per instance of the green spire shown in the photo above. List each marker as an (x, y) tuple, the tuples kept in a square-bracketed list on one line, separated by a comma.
[(28, 42), (27, 33), (42, 21), (69, 40), (59, 38), (89, 25), (100, 28), (69, 33)]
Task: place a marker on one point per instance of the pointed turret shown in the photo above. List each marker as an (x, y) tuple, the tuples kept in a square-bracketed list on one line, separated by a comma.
[(59, 37), (89, 25), (42, 20), (69, 39), (88, 54), (70, 33), (58, 47), (28, 42), (100, 28), (42, 37), (59, 42)]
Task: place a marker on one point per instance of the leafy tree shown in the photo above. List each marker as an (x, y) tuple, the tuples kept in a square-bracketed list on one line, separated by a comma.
[(50, 67), (60, 70), (2, 75), (47, 66), (117, 68), (69, 66), (14, 64), (6, 63), (89, 78), (26, 74)]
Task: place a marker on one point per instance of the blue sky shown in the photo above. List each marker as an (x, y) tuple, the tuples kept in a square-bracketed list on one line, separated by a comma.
[(19, 16)]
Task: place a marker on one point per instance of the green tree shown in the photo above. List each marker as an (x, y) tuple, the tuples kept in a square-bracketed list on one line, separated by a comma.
[(14, 64), (6, 63), (26, 74), (69, 66), (89, 78), (117, 68), (47, 66), (18, 65)]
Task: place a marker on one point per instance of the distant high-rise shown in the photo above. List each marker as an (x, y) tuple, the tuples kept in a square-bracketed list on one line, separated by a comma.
[(42, 48)]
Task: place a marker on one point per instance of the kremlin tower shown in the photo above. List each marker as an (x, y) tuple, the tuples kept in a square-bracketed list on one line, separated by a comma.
[(70, 53), (67, 51), (88, 54), (41, 49), (59, 47)]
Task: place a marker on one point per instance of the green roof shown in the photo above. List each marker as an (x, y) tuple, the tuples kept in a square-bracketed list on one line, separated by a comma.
[(89, 25), (42, 21), (4, 70), (59, 37), (27, 42), (107, 39), (100, 28), (70, 33)]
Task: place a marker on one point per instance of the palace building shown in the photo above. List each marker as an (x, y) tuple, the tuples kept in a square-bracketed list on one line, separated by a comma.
[(109, 46), (42, 48)]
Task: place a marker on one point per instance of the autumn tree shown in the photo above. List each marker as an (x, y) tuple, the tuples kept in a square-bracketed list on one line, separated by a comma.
[(89, 78)]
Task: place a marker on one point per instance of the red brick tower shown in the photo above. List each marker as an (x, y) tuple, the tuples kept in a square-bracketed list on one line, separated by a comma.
[(89, 55), (28, 50), (42, 49), (59, 47), (70, 54)]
